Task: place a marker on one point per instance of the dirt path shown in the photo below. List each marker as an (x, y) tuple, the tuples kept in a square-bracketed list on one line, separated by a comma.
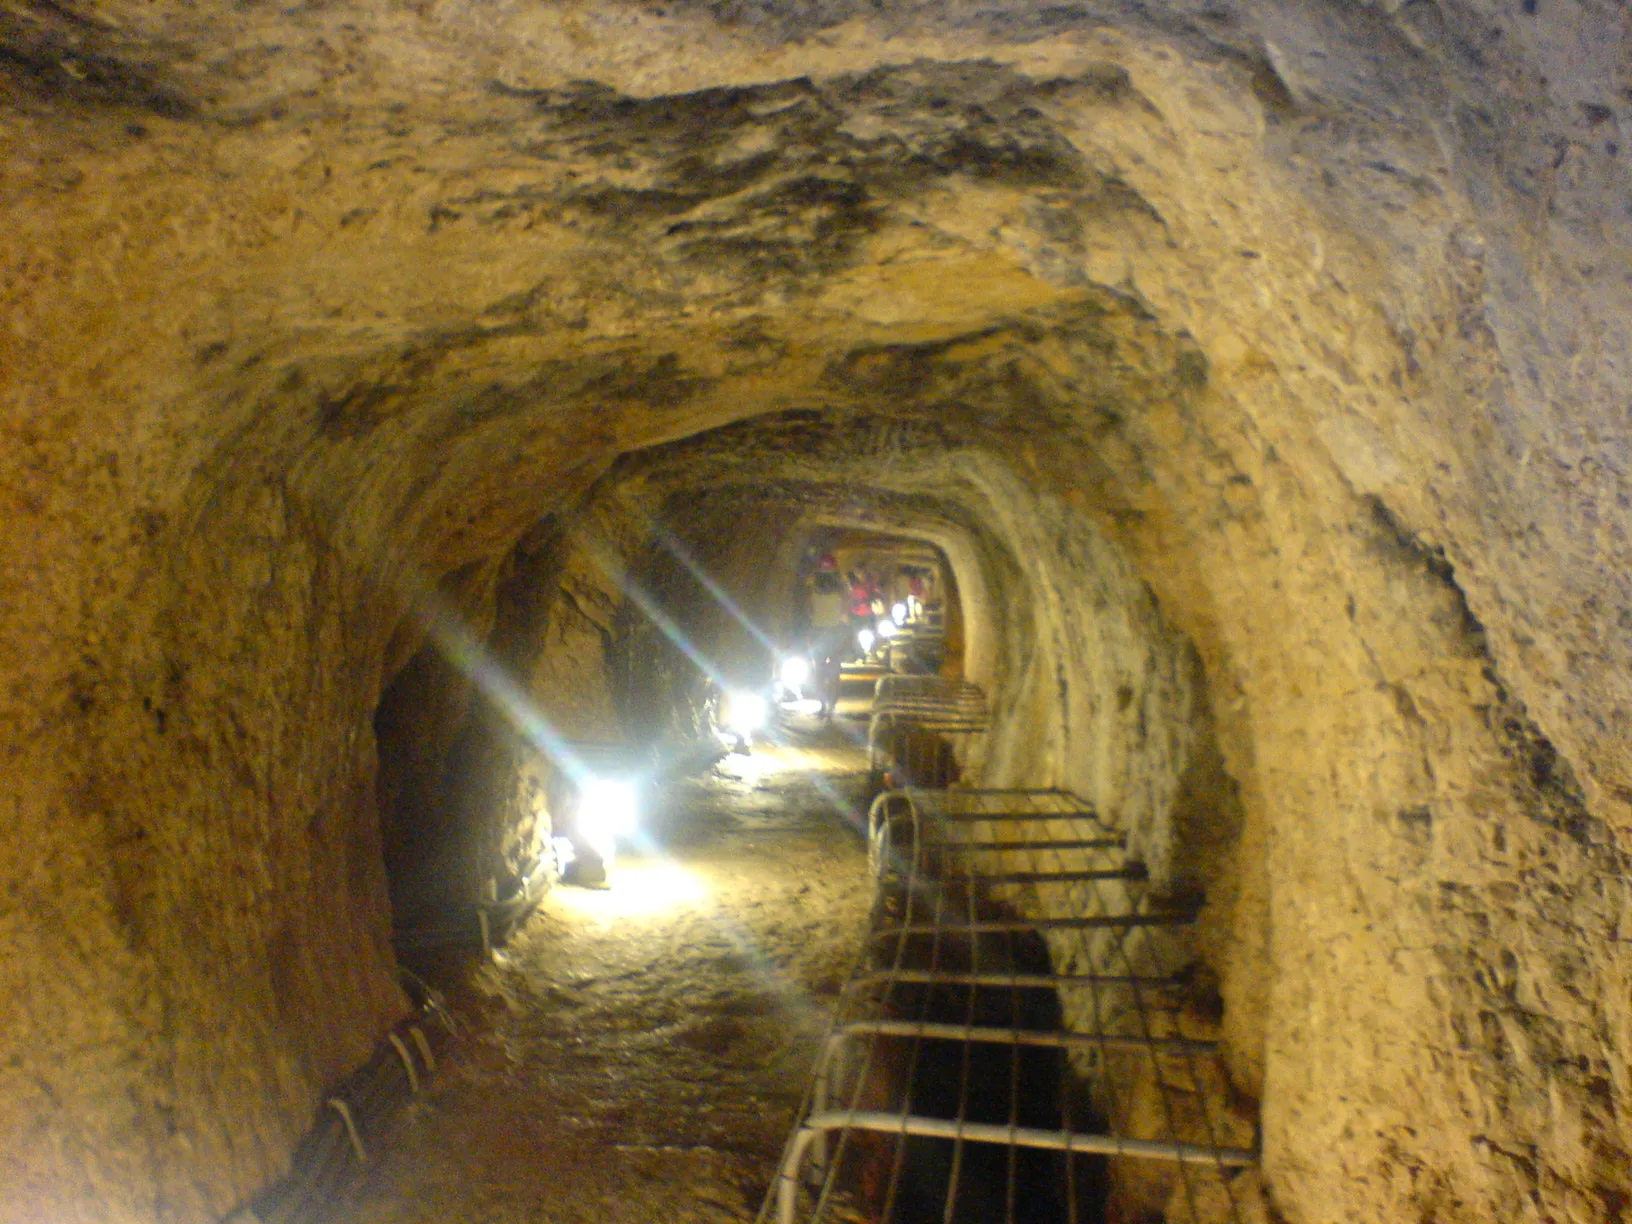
[(637, 1054)]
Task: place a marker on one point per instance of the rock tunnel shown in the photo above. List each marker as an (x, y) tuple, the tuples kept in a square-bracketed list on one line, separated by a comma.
[(1258, 366)]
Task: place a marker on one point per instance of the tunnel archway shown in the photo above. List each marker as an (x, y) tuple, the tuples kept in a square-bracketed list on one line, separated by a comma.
[(1259, 363)]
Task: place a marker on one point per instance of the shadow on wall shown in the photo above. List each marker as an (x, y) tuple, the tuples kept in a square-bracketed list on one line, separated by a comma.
[(703, 599), (660, 693), (460, 784), (1204, 817), (416, 723)]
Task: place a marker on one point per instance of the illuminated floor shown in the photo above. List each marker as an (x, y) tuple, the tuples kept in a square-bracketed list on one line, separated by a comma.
[(638, 1053)]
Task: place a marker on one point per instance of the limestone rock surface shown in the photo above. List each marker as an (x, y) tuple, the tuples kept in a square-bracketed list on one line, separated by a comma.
[(1261, 367)]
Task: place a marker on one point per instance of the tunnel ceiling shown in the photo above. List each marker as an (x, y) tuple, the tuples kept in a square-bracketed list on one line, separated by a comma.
[(438, 263), (1293, 331)]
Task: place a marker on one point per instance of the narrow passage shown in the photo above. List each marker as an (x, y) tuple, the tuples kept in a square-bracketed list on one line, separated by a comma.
[(637, 1054)]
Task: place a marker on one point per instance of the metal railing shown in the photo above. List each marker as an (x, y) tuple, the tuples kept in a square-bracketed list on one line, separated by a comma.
[(953, 1063), (918, 647), (915, 723)]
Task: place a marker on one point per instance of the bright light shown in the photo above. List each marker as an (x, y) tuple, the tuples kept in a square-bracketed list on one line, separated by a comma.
[(745, 713), (661, 886), (865, 640), (886, 628), (565, 856), (608, 809), (795, 672), (647, 890), (898, 613)]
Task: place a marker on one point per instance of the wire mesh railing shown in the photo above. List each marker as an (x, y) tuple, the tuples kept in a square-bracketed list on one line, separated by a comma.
[(918, 724), (1012, 1044)]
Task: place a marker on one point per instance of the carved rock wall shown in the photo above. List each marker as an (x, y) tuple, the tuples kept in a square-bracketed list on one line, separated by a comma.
[(1309, 317)]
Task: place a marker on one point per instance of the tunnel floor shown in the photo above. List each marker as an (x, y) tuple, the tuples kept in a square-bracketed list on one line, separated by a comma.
[(638, 1053)]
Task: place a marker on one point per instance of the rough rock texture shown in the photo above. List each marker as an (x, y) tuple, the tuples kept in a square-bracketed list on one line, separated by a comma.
[(1309, 317)]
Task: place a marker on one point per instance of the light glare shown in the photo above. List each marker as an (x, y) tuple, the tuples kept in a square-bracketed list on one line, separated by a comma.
[(745, 713), (795, 672), (609, 806)]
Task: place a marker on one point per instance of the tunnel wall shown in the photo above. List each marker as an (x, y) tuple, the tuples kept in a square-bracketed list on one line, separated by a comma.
[(512, 699), (1370, 753), (222, 946), (293, 306), (568, 677), (1103, 698)]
